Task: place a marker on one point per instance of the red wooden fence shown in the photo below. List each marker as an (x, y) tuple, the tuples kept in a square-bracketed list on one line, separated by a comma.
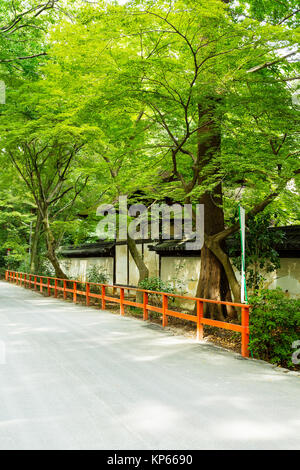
[(56, 285)]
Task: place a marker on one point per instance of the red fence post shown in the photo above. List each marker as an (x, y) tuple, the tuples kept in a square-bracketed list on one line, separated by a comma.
[(48, 286), (87, 292), (122, 295), (103, 297), (29, 281), (25, 280), (75, 292), (199, 320), (6, 275), (65, 286), (55, 287), (245, 332), (145, 303), (41, 284), (35, 279), (165, 308)]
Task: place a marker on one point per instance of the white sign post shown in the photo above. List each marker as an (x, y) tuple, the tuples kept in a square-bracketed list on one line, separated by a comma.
[(244, 297)]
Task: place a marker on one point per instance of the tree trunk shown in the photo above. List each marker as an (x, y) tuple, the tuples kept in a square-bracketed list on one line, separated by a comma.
[(34, 248), (226, 263), (142, 268), (51, 253), (213, 283)]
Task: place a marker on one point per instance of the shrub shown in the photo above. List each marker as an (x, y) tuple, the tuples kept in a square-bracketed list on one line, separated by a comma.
[(158, 285), (274, 326), (45, 269), (262, 257), (97, 274)]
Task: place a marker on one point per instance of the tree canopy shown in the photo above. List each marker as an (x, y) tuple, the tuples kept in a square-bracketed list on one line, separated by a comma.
[(187, 101)]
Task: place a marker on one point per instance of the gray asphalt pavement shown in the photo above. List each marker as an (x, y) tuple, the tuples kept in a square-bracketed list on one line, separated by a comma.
[(79, 378)]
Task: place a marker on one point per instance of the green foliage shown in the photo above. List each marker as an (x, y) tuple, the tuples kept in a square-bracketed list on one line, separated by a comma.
[(15, 216), (261, 255), (274, 326), (157, 284), (283, 11), (97, 274), (45, 268), (126, 84), (23, 29), (165, 68)]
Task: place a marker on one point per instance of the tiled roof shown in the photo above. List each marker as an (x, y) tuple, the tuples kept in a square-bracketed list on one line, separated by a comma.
[(289, 246), (99, 249)]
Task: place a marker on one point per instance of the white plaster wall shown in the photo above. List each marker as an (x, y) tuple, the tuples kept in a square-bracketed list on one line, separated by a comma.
[(77, 268), (287, 276), (151, 259), (133, 270), (186, 270), (121, 264), (106, 264)]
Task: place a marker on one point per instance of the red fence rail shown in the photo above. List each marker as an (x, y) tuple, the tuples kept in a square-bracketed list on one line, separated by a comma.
[(56, 285)]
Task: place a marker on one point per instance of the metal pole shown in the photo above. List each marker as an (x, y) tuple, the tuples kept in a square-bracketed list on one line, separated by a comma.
[(30, 238)]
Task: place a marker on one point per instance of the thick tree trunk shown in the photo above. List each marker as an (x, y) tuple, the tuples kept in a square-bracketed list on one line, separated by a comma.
[(138, 259), (51, 253), (34, 248), (213, 283), (226, 263)]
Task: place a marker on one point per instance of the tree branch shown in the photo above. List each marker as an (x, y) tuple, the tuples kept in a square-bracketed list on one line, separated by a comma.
[(268, 64), (5, 61), (256, 209)]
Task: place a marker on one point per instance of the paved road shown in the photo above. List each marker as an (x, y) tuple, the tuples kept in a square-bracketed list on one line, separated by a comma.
[(80, 378)]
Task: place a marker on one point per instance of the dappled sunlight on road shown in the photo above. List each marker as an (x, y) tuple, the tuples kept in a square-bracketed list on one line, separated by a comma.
[(78, 377), (152, 416), (254, 430)]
